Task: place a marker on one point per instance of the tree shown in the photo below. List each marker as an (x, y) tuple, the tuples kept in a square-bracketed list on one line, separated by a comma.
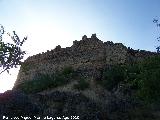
[(11, 55), (156, 21)]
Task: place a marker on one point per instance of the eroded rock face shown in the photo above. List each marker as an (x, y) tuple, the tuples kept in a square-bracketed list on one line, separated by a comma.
[(76, 104), (15, 104), (69, 104), (59, 104), (55, 104), (89, 56)]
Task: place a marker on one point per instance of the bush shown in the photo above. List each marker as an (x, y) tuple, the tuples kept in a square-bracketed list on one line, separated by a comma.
[(149, 80), (82, 85), (141, 113), (60, 80), (113, 76), (45, 81), (67, 71), (150, 63), (143, 77), (39, 83), (132, 73), (146, 78)]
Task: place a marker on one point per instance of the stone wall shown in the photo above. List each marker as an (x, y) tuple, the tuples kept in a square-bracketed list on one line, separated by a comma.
[(88, 56)]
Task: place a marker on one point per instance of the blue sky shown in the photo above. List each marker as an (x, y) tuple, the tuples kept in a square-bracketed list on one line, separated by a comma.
[(49, 23)]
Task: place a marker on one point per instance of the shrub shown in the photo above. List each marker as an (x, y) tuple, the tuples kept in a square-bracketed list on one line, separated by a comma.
[(149, 84), (132, 73), (39, 83), (141, 113), (113, 76), (45, 81), (60, 80), (67, 71), (150, 63), (144, 77), (148, 80), (81, 85)]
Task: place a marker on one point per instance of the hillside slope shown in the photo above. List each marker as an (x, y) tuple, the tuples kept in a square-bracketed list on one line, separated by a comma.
[(94, 80)]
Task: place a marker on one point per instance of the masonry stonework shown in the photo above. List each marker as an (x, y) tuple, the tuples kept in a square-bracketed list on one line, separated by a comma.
[(89, 56)]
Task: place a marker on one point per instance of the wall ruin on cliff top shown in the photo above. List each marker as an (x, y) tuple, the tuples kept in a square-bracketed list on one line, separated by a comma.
[(89, 56)]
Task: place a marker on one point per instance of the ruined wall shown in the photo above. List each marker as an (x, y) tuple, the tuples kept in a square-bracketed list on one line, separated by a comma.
[(89, 55)]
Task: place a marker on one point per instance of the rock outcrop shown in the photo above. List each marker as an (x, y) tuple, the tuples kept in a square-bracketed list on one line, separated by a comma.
[(89, 55), (16, 104), (89, 58)]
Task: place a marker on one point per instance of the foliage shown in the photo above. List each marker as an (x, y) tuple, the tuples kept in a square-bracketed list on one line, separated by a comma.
[(112, 76), (132, 73), (82, 84), (67, 70), (10, 54), (156, 21), (150, 63), (141, 113), (35, 85), (39, 84), (149, 80), (144, 77), (45, 81)]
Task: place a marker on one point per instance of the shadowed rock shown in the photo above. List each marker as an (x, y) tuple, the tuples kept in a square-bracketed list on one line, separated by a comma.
[(15, 103)]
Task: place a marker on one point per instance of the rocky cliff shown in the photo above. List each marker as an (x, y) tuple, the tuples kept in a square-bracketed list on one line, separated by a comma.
[(101, 84), (89, 55)]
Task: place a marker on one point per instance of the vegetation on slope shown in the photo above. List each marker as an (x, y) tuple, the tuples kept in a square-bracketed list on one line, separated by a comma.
[(144, 77), (149, 80), (82, 84), (46, 81)]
